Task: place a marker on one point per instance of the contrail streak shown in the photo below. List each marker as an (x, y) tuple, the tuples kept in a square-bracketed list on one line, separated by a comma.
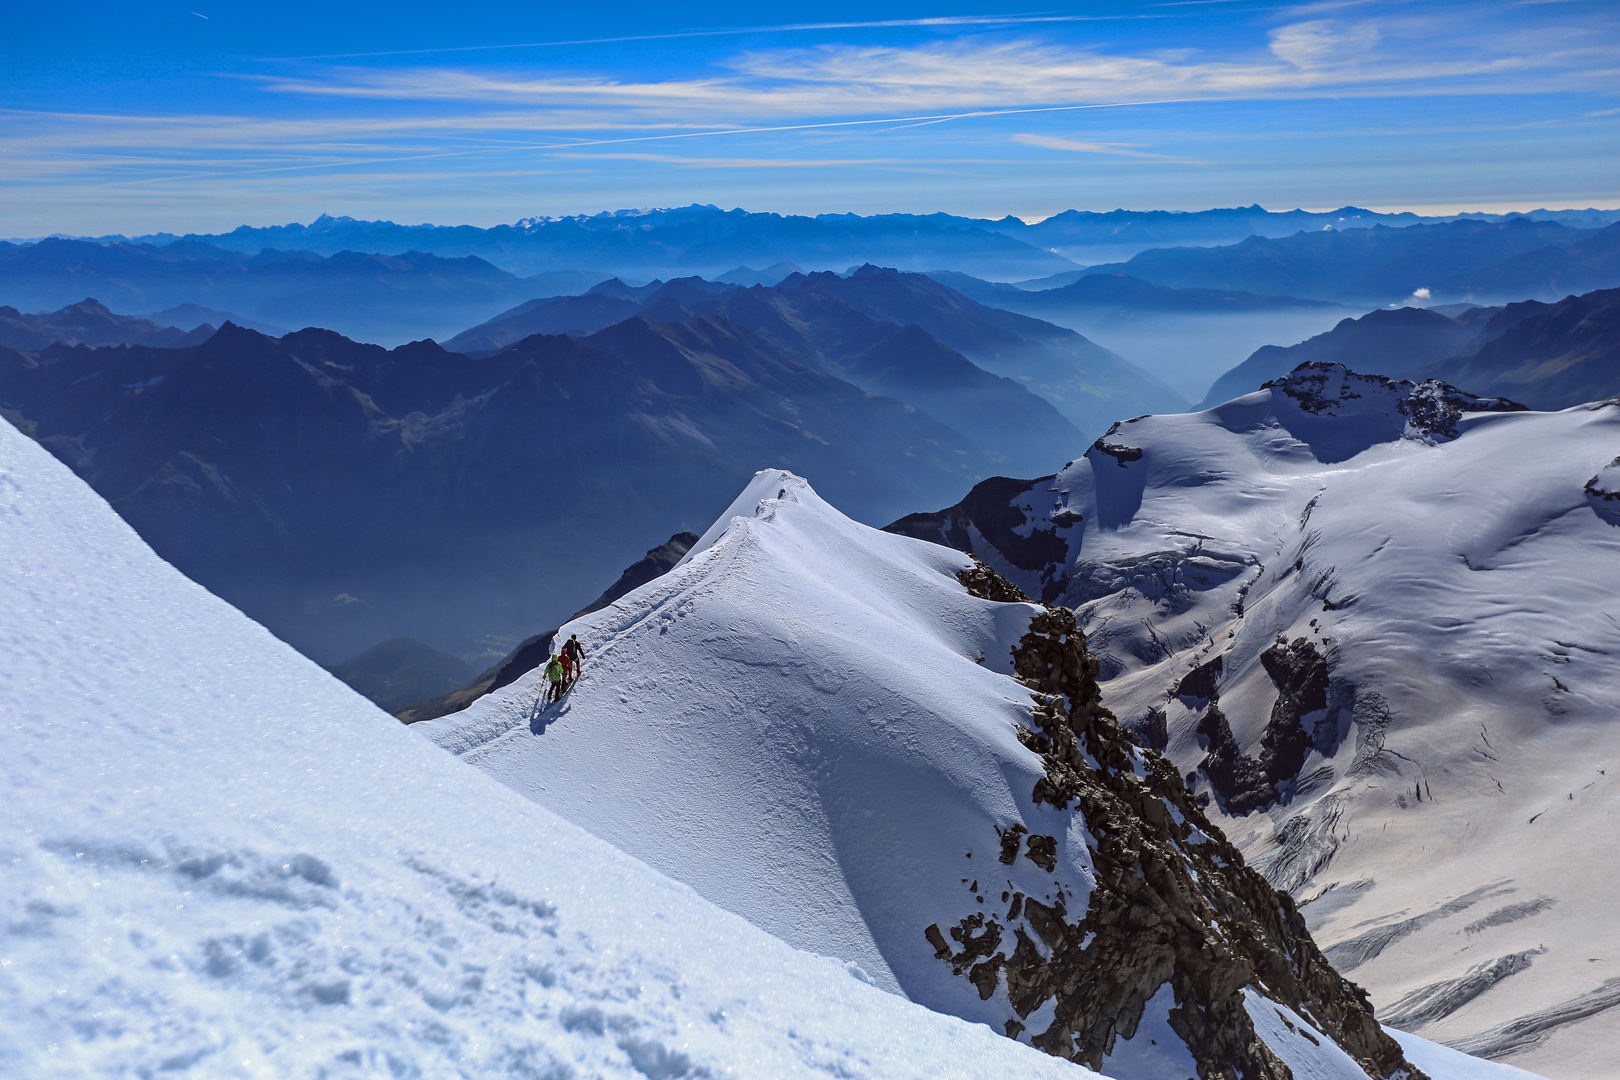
[(902, 120), (943, 20)]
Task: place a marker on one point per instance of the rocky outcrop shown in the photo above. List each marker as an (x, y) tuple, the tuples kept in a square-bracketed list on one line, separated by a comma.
[(1173, 902), (1431, 407), (1300, 673), (1603, 492), (998, 512), (1122, 454)]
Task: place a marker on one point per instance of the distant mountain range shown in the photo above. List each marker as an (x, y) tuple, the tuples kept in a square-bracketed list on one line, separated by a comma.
[(402, 671), (384, 298), (707, 240), (1459, 260), (535, 650), (1547, 356), (89, 322), (1186, 337), (346, 494), (457, 277), (1084, 236), (661, 243), (846, 325)]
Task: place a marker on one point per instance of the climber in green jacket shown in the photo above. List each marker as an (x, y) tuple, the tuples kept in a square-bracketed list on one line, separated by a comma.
[(554, 675)]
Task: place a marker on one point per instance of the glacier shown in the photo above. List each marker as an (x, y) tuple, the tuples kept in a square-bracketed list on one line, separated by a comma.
[(1375, 625)]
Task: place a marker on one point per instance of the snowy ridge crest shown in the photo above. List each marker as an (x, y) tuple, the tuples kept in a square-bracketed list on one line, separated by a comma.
[(1430, 408)]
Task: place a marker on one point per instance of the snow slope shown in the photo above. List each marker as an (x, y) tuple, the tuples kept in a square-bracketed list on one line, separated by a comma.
[(813, 724), (220, 862), (1435, 592), (700, 738)]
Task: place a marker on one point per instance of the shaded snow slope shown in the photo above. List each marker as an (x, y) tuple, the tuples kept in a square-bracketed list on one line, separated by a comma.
[(1381, 624), (219, 861), (813, 723), (698, 739)]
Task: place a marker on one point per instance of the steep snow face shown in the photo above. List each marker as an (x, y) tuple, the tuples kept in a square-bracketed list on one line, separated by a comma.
[(791, 721), (813, 723), (1378, 624), (219, 861)]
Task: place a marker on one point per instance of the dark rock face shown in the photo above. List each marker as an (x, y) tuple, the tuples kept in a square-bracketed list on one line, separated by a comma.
[(1152, 730), (1173, 901), (1603, 492), (996, 509), (1431, 407), (1245, 784), (1120, 453)]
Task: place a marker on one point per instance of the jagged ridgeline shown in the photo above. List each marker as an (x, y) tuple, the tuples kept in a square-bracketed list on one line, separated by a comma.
[(1172, 903)]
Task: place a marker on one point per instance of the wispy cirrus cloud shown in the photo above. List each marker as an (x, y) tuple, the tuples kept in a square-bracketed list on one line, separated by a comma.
[(1304, 58), (937, 22), (1081, 146), (854, 95)]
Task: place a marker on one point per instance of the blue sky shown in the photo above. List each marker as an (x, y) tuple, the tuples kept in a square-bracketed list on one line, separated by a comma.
[(202, 115)]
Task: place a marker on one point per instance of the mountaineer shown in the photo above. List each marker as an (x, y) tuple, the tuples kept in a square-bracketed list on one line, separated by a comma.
[(554, 675)]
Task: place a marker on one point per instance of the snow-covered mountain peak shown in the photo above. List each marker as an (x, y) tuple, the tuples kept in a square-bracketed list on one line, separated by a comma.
[(878, 749), (767, 488), (1378, 632), (220, 862), (1423, 410)]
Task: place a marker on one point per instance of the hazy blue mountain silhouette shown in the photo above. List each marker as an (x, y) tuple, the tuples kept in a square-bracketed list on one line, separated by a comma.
[(190, 316), (701, 239), (673, 242), (1393, 341), (385, 298), (1547, 273), (1379, 265), (344, 494), (1547, 356), (402, 671), (1089, 385), (89, 322)]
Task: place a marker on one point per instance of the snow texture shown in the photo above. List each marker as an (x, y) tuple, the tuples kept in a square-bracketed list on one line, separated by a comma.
[(1457, 573), (218, 861), (812, 723)]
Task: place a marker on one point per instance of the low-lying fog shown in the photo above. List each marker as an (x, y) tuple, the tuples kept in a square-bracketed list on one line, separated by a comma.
[(1189, 352)]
